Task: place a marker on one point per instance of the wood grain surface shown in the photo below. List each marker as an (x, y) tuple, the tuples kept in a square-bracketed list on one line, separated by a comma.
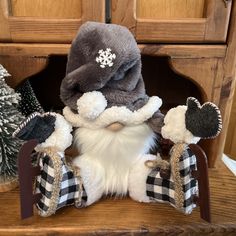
[(171, 50), (127, 217), (230, 143), (193, 70), (46, 21), (191, 30), (70, 9), (122, 13), (227, 87), (28, 66), (170, 9), (230, 79), (174, 20), (215, 28), (5, 34), (30, 29)]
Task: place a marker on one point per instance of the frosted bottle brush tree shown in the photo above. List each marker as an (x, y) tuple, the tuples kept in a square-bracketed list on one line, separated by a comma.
[(10, 118)]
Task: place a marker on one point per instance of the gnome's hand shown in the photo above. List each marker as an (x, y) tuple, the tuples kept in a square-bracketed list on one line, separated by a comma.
[(165, 147), (72, 152), (163, 165)]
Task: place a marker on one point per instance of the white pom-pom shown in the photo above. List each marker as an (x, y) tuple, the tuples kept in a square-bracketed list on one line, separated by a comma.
[(174, 127), (91, 104)]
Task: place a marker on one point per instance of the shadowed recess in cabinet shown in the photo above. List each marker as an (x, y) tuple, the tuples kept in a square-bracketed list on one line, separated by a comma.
[(46, 84), (161, 80), (158, 76)]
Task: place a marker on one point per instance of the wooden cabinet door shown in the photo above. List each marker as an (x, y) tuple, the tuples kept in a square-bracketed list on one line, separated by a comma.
[(230, 144), (46, 20), (174, 20)]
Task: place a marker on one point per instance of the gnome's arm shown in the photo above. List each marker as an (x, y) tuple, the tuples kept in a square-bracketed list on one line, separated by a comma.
[(156, 122)]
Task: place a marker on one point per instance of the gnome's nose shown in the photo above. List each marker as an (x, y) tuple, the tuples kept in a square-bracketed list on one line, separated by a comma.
[(115, 127)]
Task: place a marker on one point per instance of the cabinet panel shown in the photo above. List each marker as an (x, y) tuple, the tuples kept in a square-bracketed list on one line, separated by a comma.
[(70, 9), (170, 9), (230, 144), (174, 20), (47, 20)]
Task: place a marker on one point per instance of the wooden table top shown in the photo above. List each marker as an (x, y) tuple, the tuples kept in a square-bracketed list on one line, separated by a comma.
[(124, 216)]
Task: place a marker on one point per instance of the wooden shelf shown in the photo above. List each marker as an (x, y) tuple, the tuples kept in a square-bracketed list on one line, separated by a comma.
[(124, 216), (172, 50)]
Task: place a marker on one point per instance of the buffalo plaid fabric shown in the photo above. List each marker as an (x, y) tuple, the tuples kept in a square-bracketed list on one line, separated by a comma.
[(163, 190), (70, 188)]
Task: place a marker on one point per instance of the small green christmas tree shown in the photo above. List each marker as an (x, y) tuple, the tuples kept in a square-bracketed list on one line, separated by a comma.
[(10, 118)]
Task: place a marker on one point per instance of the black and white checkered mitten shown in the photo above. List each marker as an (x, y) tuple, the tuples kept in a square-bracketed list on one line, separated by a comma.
[(59, 184), (164, 189)]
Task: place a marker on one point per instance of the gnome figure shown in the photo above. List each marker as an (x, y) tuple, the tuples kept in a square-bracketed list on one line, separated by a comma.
[(58, 182), (115, 121)]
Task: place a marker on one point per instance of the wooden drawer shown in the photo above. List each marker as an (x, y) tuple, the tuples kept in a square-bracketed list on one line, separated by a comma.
[(149, 20), (174, 20), (46, 20)]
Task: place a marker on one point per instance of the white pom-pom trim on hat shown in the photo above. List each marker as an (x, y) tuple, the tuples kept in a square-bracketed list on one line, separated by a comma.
[(115, 114), (91, 104)]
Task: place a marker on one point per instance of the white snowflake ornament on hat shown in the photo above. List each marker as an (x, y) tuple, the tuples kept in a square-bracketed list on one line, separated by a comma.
[(105, 58)]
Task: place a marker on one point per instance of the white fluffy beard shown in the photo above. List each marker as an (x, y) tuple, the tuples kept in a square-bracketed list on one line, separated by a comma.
[(108, 156)]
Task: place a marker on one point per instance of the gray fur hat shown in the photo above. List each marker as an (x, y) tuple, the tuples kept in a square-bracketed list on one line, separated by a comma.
[(105, 58)]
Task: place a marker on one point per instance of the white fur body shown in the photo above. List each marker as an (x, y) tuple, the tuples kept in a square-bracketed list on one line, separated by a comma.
[(108, 157)]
